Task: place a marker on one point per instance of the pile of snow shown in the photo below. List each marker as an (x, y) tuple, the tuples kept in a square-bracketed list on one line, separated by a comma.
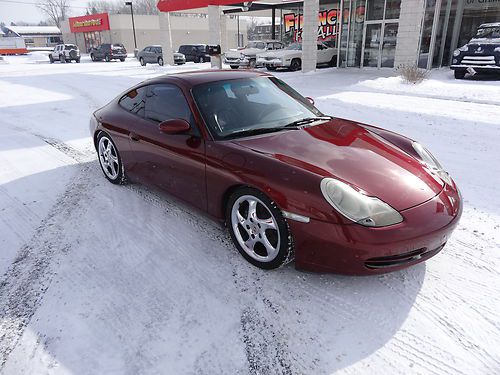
[(39, 57)]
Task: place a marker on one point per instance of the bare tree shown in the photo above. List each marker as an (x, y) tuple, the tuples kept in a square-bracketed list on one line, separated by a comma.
[(56, 10)]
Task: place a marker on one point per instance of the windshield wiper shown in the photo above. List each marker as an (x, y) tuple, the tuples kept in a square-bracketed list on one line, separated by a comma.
[(255, 131), (291, 126), (306, 120)]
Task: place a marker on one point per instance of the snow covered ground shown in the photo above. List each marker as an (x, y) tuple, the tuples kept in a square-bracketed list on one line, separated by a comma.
[(104, 279)]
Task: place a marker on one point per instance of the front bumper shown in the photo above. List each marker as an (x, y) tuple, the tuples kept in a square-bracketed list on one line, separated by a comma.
[(118, 56), (492, 68), (357, 250), (236, 62), (179, 61), (276, 63)]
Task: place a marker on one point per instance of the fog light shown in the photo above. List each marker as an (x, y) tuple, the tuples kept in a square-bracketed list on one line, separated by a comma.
[(455, 61)]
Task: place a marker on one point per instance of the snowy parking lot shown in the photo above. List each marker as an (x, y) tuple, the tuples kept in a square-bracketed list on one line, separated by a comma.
[(105, 279)]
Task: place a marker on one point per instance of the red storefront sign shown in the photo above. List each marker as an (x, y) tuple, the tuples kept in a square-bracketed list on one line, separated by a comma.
[(92, 22)]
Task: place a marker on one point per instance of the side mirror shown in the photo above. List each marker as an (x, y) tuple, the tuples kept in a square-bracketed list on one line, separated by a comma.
[(311, 100), (174, 126)]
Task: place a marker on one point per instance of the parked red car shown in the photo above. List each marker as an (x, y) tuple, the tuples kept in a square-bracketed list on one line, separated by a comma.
[(289, 182)]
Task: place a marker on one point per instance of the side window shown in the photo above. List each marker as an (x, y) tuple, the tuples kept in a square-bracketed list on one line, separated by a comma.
[(278, 46), (134, 101), (146, 49), (167, 102)]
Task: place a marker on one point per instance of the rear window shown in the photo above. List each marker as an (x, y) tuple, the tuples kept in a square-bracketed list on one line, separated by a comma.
[(117, 45), (68, 47)]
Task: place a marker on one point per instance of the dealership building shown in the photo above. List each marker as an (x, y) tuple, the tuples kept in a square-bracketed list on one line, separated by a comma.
[(366, 33)]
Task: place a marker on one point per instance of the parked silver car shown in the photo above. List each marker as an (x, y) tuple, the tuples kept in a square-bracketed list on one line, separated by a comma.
[(154, 55)]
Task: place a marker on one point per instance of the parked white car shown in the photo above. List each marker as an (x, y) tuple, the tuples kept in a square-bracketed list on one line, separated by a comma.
[(247, 57), (291, 57), (65, 53)]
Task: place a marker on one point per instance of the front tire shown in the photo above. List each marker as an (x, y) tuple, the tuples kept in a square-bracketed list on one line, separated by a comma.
[(107, 58), (160, 61), (51, 59), (234, 66), (110, 160), (460, 74), (258, 229), (295, 65), (141, 60), (271, 68), (252, 63)]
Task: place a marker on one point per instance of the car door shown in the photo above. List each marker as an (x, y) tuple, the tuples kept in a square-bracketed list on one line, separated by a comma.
[(173, 162), (322, 53)]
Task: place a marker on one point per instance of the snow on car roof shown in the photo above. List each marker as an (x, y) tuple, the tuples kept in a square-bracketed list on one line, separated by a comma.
[(493, 24), (30, 30)]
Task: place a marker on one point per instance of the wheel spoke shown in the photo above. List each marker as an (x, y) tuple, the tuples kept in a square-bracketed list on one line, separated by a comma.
[(252, 209), (241, 219), (113, 158), (266, 223), (250, 243)]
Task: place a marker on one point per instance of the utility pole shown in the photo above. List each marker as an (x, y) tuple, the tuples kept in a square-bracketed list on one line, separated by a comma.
[(129, 3)]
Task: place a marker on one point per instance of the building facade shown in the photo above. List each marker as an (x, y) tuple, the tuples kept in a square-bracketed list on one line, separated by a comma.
[(38, 36), (186, 28)]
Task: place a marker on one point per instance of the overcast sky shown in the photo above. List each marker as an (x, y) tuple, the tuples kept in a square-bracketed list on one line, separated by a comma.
[(18, 11)]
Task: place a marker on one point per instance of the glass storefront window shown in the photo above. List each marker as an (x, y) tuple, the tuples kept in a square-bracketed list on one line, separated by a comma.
[(375, 10), (392, 9), (389, 45)]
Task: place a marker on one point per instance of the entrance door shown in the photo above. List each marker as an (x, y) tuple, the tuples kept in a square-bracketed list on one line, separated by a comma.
[(372, 35), (379, 44)]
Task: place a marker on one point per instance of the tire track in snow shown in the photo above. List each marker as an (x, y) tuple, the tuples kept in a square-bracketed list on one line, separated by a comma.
[(27, 279)]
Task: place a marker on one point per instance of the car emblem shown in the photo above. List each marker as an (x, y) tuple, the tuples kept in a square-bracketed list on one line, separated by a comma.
[(479, 49)]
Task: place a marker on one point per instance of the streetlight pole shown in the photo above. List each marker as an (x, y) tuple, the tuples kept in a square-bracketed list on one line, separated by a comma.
[(133, 24)]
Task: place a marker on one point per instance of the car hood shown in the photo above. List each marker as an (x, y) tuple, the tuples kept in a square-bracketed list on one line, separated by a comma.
[(281, 53), (179, 55), (350, 152)]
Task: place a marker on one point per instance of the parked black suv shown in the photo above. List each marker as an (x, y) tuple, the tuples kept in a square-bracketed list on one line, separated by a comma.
[(481, 54), (195, 52), (108, 52)]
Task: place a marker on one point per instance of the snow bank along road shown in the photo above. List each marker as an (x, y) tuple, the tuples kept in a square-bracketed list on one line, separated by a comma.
[(104, 279)]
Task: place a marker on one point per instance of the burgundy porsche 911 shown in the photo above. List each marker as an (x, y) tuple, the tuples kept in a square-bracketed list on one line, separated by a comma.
[(289, 182)]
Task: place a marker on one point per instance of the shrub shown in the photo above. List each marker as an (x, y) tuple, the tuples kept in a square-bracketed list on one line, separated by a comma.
[(412, 73)]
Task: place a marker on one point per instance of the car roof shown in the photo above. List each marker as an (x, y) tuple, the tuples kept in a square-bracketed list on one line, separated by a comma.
[(493, 24), (198, 77)]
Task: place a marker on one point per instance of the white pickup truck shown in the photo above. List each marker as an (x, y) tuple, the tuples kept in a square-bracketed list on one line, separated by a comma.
[(291, 57)]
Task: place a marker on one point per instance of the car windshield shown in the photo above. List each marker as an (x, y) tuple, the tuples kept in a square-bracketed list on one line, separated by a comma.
[(488, 32), (259, 45), (295, 46), (238, 107), (68, 47), (117, 45)]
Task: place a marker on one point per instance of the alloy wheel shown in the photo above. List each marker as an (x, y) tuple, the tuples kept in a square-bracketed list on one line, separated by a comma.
[(108, 157), (255, 228)]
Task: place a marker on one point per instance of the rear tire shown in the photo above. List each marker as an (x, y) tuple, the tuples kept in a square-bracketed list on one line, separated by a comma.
[(141, 60), (92, 57), (196, 59), (271, 68), (460, 74), (295, 65), (122, 59), (110, 160), (252, 63), (333, 61), (78, 61), (51, 59), (160, 61), (258, 229), (107, 58), (62, 59)]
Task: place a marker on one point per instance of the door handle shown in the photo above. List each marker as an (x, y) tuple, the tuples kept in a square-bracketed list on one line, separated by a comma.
[(134, 137)]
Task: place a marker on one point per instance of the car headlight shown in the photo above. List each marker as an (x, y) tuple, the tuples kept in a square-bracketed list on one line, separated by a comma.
[(456, 52), (428, 159), (242, 56), (358, 207)]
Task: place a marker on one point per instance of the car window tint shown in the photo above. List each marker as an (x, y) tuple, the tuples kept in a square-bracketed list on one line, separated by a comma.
[(147, 49), (134, 101)]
